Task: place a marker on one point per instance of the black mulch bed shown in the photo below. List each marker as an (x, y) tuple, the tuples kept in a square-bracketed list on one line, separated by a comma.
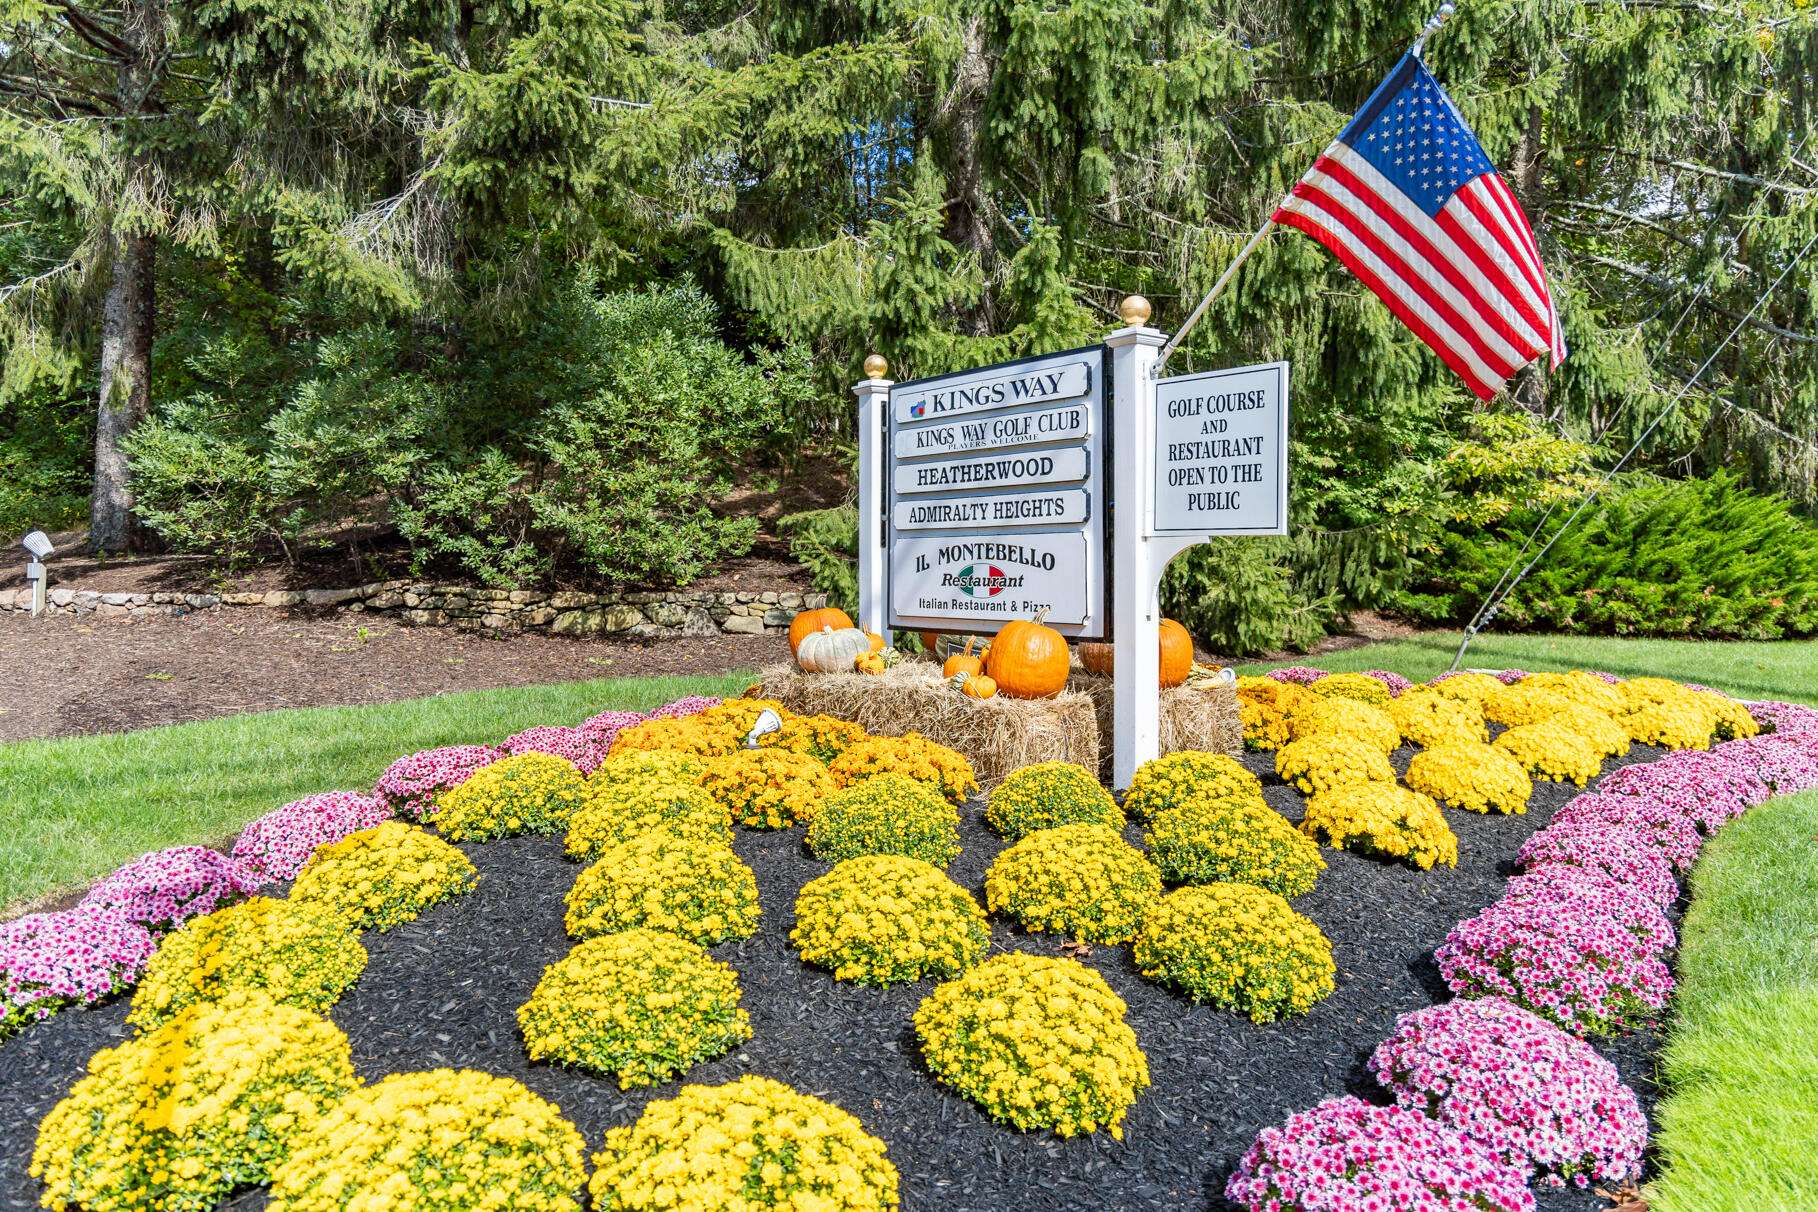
[(444, 991)]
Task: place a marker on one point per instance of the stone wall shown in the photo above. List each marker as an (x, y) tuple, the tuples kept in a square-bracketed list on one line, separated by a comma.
[(668, 613)]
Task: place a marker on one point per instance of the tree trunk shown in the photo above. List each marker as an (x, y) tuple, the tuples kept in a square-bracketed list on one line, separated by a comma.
[(1529, 387), (125, 388), (961, 118)]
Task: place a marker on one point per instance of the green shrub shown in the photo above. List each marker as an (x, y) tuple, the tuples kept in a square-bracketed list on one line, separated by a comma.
[(1705, 558)]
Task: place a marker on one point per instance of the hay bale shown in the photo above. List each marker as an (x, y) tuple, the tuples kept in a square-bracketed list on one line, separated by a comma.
[(1198, 715), (997, 735)]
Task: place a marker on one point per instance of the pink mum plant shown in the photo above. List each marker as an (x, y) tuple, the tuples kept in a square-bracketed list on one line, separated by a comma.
[(411, 784), (1707, 787), (1540, 1100), (1785, 719), (162, 890), (77, 957), (607, 725), (575, 744), (1299, 675), (1566, 961), (1388, 677), (1345, 1155), (1663, 825), (277, 844), (1626, 904), (1784, 762), (693, 704), (1614, 850)]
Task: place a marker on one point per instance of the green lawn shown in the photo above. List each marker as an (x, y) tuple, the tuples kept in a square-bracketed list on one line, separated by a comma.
[(1739, 1127), (1782, 670), (76, 808)]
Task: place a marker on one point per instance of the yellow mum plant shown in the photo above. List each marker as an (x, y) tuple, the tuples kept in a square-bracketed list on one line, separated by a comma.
[(1467, 687), (886, 814), (1472, 776), (1084, 881), (618, 812), (752, 1143), (381, 877), (1359, 687), (1048, 794), (1645, 692), (1552, 751), (1188, 776), (912, 756), (1238, 947), (1036, 1042), (768, 788), (1606, 736), (1383, 820), (1523, 703), (718, 730), (641, 1006), (1584, 689), (821, 737), (1263, 707), (301, 954), (1324, 763), (1731, 720), (1345, 717), (529, 793), (1203, 841), (648, 768), (881, 918), (1427, 718), (1676, 723), (700, 890), (442, 1140), (178, 1118)]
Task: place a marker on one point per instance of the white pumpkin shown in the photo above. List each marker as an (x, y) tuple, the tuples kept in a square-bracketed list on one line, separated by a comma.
[(831, 651)]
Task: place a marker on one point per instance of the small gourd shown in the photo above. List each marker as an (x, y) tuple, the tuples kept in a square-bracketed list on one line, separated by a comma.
[(1029, 660), (877, 641), (963, 662), (832, 651), (869, 662), (975, 685)]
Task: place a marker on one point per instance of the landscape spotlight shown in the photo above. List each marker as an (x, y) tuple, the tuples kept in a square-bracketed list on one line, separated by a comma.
[(767, 722), (37, 544)]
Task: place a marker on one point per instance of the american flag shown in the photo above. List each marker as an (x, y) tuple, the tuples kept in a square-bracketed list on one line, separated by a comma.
[(1407, 199)]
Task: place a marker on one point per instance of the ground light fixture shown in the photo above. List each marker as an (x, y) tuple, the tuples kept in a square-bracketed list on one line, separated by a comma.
[(37, 545), (767, 722)]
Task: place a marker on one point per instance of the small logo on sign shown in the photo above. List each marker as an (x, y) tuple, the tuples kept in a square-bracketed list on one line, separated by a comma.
[(916, 410), (975, 584)]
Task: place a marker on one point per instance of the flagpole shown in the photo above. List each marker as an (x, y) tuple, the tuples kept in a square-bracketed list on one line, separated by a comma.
[(1439, 18), (1218, 288)]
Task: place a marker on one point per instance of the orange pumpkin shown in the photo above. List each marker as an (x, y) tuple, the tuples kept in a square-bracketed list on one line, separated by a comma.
[(962, 662), (1176, 655), (1028, 660), (808, 622), (978, 686), (930, 641)]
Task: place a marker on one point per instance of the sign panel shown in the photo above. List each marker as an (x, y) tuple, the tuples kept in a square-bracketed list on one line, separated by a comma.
[(995, 482), (979, 583), (1018, 470), (994, 387), (1221, 453), (1067, 506), (1067, 423)]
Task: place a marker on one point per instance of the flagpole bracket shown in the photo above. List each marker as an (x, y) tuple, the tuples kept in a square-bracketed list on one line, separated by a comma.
[(1439, 18)]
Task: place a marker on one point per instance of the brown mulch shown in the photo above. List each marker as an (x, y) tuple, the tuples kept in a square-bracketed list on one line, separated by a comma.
[(73, 677)]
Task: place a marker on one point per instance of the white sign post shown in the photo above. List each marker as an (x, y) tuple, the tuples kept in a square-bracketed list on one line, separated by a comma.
[(986, 495)]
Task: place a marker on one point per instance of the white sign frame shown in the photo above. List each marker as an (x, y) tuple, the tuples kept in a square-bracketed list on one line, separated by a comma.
[(1152, 513), (1094, 438)]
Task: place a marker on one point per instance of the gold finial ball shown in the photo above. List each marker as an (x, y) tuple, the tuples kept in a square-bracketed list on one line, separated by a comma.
[(876, 367), (1134, 310)]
